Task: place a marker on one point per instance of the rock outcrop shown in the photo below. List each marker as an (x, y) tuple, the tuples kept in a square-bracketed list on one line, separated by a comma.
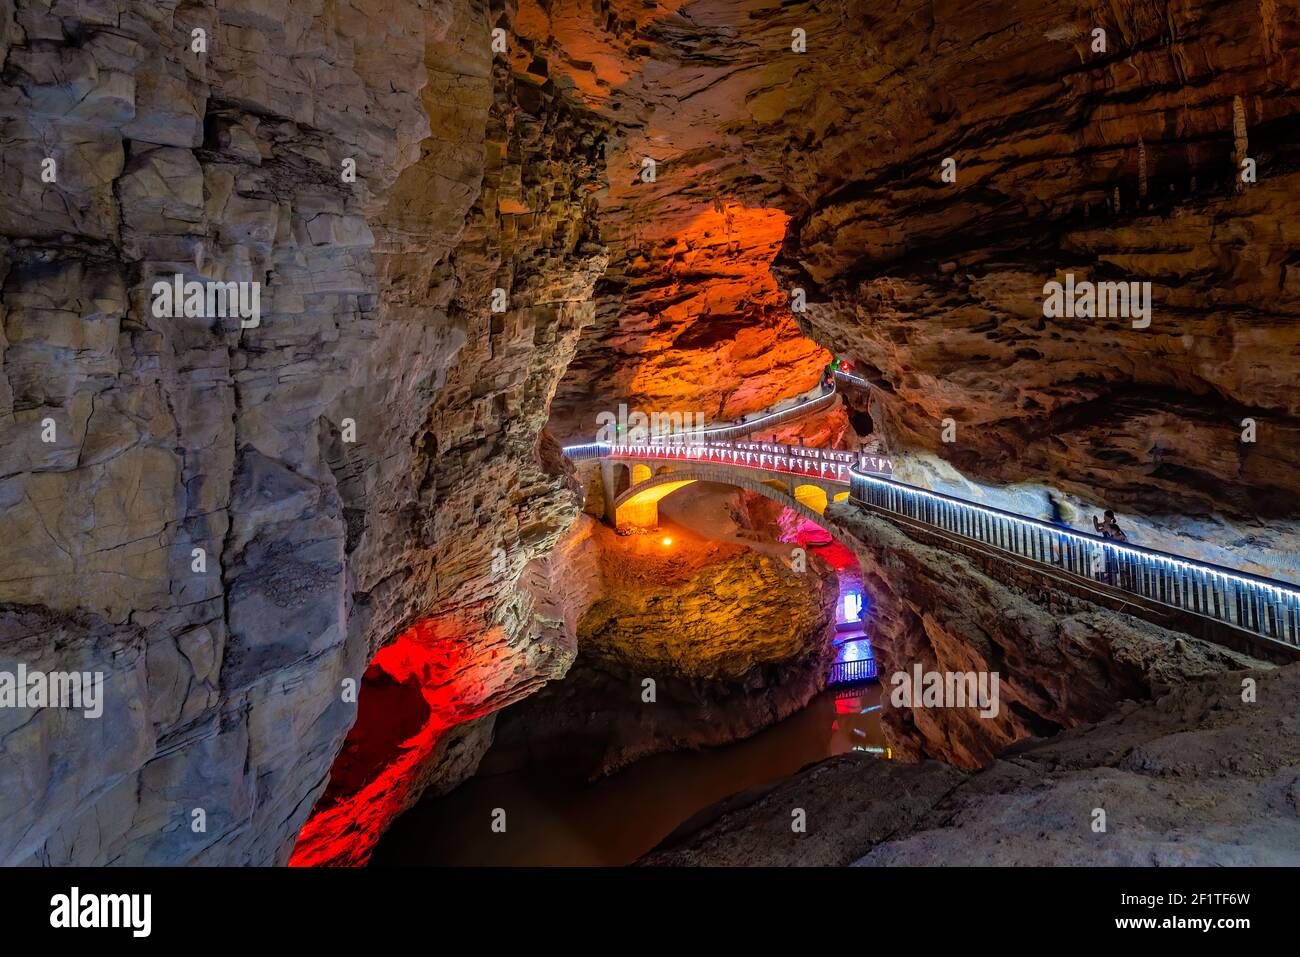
[(732, 639), (1201, 776), (1060, 661), (229, 520), (1119, 163), (233, 517)]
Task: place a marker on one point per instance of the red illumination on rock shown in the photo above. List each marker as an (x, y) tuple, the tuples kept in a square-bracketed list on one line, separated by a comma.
[(409, 698)]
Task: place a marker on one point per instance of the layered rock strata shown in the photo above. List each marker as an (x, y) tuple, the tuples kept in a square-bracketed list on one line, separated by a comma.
[(363, 462), (1112, 160), (1060, 661)]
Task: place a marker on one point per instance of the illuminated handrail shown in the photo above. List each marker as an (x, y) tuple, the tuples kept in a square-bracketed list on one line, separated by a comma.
[(756, 459), (1253, 603), (736, 430), (852, 672), (792, 458)]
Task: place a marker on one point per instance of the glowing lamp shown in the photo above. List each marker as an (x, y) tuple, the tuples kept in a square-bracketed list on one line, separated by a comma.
[(667, 541)]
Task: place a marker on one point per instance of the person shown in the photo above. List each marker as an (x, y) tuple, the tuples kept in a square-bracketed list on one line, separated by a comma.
[(1057, 514), (1109, 528)]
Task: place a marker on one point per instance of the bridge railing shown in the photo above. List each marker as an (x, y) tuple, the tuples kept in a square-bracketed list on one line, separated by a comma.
[(825, 463), (857, 380), (869, 462), (1260, 605), (775, 461), (852, 672), (592, 450), (781, 458), (766, 421)]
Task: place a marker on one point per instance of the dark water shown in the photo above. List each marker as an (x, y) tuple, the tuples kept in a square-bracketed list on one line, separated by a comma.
[(555, 821)]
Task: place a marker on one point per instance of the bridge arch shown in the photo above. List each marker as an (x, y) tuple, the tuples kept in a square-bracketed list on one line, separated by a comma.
[(622, 478), (638, 506), (813, 496)]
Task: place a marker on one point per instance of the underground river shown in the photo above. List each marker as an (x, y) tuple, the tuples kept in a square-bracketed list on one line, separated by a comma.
[(555, 818)]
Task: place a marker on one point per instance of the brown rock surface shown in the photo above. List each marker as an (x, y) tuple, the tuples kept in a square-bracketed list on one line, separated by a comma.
[(1114, 165), (522, 173), (1197, 777), (733, 640), (1060, 662), (175, 434)]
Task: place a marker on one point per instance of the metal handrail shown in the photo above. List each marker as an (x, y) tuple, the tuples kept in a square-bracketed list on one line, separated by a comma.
[(780, 459), (1263, 606), (745, 428), (830, 471), (747, 454), (849, 672)]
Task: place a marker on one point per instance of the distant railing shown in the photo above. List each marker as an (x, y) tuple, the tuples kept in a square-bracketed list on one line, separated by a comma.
[(592, 450), (852, 672), (1255, 604), (832, 465), (746, 427)]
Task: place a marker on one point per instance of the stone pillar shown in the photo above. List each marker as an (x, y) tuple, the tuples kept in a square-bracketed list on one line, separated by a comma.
[(607, 487)]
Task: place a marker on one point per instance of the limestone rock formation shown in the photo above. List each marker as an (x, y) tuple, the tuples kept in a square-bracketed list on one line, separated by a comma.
[(363, 462), (1060, 663), (233, 518), (1198, 777), (733, 640), (1114, 164)]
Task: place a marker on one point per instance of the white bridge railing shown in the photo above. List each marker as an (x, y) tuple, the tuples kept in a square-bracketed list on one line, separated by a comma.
[(831, 465), (1263, 606), (813, 402)]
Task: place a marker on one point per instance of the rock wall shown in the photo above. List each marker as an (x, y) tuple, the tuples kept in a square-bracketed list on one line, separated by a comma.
[(1199, 777), (1061, 662), (1114, 164), (363, 463)]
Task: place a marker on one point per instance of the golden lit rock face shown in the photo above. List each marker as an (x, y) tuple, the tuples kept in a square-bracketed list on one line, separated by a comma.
[(688, 316), (701, 609), (1121, 165), (733, 640), (690, 321)]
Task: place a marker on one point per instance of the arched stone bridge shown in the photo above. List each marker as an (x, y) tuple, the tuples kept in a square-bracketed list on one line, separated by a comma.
[(638, 505), (634, 478), (1220, 603)]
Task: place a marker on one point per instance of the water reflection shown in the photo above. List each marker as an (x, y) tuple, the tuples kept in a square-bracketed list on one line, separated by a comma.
[(551, 820)]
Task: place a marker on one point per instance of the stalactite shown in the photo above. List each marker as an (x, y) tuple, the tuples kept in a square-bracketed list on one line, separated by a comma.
[(1142, 168), (1240, 144), (1268, 27)]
